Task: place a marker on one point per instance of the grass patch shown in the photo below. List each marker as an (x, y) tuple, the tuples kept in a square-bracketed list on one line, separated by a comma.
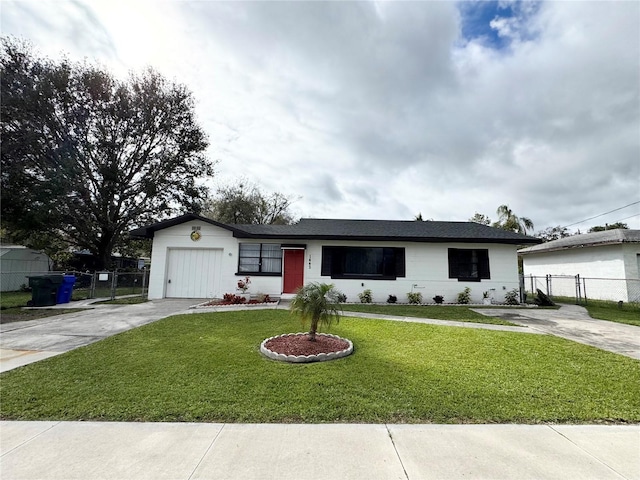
[(629, 313), (10, 315), (104, 292), (14, 299), (124, 301), (442, 312), (207, 368)]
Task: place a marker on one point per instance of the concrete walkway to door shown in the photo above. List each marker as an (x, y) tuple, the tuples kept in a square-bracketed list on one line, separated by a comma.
[(22, 343), (574, 323)]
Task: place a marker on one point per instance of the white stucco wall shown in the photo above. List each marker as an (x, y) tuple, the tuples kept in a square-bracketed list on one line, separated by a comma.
[(427, 272), (596, 262), (179, 237), (427, 268)]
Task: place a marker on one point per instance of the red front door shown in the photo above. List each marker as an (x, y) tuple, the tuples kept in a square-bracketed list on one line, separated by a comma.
[(293, 270)]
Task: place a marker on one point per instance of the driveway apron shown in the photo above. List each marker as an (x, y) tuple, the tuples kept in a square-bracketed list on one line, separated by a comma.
[(26, 342), (574, 323)]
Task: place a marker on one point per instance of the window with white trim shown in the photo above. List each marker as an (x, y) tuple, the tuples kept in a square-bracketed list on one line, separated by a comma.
[(265, 258)]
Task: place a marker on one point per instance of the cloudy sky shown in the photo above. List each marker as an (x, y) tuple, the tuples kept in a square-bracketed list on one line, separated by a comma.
[(383, 110)]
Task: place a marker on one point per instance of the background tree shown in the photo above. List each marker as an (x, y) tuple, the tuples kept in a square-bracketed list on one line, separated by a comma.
[(480, 218), (507, 220), (613, 226), (245, 203), (85, 156), (553, 233)]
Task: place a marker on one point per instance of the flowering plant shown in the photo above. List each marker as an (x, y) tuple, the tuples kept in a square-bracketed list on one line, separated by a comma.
[(243, 285)]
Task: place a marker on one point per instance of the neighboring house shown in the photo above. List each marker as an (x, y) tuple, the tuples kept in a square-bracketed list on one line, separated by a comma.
[(195, 257), (17, 263), (611, 258)]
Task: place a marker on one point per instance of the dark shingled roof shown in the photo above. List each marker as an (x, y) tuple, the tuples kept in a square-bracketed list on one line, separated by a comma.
[(607, 237), (367, 230)]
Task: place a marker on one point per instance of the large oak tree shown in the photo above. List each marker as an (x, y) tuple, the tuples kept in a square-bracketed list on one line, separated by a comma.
[(245, 203), (86, 156)]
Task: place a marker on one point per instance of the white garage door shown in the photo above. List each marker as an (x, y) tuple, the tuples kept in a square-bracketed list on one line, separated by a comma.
[(193, 273)]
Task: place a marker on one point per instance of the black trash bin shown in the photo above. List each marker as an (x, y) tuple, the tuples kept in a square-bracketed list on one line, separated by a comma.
[(44, 290)]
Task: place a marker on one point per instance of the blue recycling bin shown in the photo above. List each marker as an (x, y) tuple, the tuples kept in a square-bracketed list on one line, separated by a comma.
[(65, 289)]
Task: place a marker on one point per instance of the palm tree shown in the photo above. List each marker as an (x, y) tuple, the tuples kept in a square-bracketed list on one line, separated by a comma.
[(318, 302), (509, 221)]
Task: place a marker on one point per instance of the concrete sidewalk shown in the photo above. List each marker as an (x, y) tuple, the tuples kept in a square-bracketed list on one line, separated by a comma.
[(189, 451)]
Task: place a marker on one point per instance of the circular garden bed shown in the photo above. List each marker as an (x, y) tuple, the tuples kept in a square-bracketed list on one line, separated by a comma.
[(297, 348)]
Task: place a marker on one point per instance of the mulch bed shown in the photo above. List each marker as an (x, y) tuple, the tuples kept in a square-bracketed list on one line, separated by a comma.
[(217, 303), (299, 344)]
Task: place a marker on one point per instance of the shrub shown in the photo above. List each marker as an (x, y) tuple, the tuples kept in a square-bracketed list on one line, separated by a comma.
[(392, 299), (511, 298), (414, 297), (233, 298), (438, 299), (342, 297), (464, 297), (365, 297), (263, 298)]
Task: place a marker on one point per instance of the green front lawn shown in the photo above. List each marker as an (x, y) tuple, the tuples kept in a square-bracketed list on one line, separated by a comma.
[(436, 312), (207, 367), (629, 313)]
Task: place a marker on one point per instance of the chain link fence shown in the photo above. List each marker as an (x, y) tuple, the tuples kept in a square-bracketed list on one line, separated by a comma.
[(87, 285), (583, 289)]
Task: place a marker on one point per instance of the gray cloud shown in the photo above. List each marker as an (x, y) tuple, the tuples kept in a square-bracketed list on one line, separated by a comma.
[(383, 109)]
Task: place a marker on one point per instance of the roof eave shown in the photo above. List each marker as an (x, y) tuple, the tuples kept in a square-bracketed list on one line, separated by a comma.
[(527, 251), (149, 230), (373, 238)]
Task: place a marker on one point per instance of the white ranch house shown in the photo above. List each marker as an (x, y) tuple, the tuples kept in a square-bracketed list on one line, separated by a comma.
[(195, 257), (609, 260)]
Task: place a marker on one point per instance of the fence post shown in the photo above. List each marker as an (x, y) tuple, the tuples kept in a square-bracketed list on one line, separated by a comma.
[(114, 281), (584, 290), (548, 278), (144, 281), (533, 290), (578, 293), (92, 289)]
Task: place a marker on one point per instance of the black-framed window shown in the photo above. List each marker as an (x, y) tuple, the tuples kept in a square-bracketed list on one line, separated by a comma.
[(469, 264), (264, 258), (376, 263)]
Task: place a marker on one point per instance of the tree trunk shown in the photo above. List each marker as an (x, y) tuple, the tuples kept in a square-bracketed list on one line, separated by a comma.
[(313, 329)]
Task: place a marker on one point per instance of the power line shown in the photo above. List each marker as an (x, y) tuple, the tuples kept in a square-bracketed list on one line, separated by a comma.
[(626, 218), (602, 214)]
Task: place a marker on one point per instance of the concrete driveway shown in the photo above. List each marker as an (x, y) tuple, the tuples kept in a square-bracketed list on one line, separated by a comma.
[(27, 342), (574, 323)]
